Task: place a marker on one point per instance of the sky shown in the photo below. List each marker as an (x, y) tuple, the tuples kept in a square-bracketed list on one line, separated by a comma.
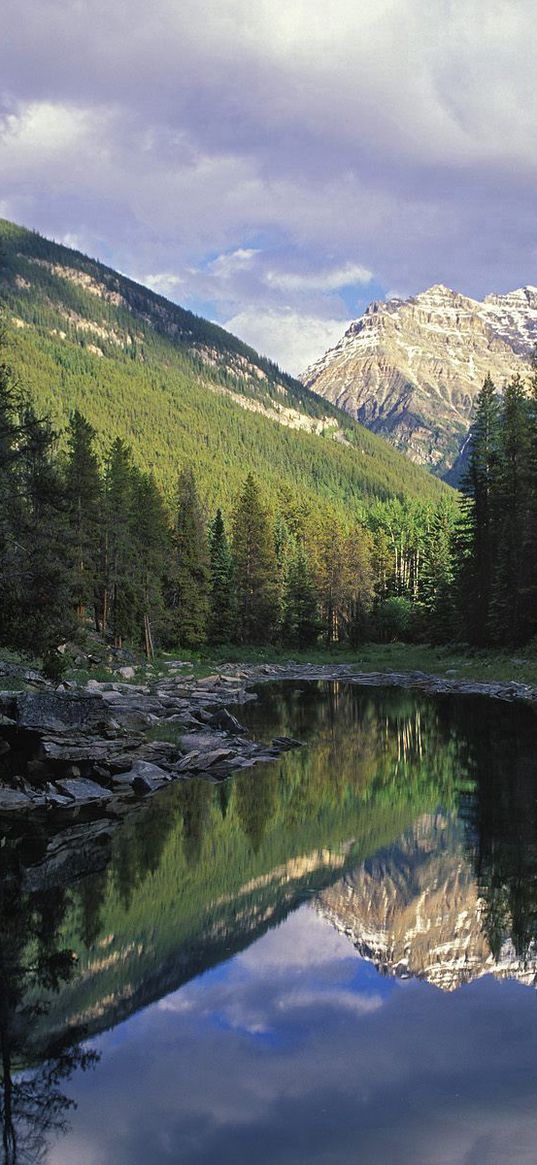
[(275, 165)]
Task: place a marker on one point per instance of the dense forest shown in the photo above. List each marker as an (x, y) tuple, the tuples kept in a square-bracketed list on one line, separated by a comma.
[(84, 540), (495, 550), (90, 540)]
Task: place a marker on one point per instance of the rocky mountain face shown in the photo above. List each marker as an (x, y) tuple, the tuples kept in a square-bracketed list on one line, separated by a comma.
[(415, 910), (410, 369)]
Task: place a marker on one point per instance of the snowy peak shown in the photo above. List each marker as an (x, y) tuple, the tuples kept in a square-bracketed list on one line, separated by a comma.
[(416, 910), (410, 369)]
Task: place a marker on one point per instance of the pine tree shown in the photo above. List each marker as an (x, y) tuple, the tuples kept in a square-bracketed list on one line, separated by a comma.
[(151, 545), (255, 568), (34, 605), (222, 598), (475, 540), (118, 608), (84, 499), (436, 590), (344, 579), (41, 613), (190, 579), (528, 579), (509, 505), (301, 622)]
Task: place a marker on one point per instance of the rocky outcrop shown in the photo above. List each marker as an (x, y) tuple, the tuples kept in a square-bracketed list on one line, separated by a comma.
[(63, 751), (410, 369)]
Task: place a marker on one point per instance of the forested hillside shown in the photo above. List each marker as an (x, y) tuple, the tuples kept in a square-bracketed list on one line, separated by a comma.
[(179, 389)]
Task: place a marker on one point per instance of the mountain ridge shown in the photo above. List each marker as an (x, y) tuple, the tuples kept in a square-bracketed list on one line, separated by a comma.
[(410, 369)]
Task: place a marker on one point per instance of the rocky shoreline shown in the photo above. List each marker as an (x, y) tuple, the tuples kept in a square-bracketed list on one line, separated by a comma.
[(68, 750)]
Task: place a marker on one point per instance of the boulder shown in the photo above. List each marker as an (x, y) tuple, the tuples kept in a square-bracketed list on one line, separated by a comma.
[(226, 721), (53, 710), (213, 758), (149, 771), (13, 800), (82, 790), (147, 777), (201, 741)]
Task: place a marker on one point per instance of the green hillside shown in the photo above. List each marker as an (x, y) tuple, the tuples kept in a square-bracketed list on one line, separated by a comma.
[(179, 388)]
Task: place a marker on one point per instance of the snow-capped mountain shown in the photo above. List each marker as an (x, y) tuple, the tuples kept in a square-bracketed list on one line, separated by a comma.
[(410, 369), (415, 910)]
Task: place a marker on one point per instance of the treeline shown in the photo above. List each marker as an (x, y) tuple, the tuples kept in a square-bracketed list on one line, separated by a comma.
[(82, 541), (495, 550)]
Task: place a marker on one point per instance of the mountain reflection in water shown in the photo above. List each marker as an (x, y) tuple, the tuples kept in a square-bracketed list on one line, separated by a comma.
[(408, 826)]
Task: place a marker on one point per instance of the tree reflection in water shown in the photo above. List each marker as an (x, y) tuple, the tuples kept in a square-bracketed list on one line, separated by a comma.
[(33, 966), (203, 869)]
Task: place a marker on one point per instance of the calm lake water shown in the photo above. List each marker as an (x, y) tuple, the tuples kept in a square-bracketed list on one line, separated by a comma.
[(328, 960)]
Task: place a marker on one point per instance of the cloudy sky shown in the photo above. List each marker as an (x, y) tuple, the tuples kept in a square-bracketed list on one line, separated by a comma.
[(277, 164)]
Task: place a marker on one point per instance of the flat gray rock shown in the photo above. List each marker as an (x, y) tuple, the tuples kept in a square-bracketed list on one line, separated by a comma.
[(201, 741), (82, 790), (148, 770), (13, 799)]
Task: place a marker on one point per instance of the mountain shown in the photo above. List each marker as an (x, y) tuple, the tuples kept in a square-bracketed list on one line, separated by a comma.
[(179, 388), (415, 910), (410, 369)]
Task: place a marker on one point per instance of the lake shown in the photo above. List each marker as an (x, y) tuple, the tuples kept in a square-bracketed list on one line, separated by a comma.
[(328, 960)]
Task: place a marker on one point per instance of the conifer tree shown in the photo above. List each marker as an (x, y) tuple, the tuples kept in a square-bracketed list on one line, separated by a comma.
[(118, 566), (436, 591), (84, 500), (255, 568), (222, 597), (510, 502), (151, 544), (190, 579), (528, 579), (301, 622), (43, 581), (344, 579), (475, 543)]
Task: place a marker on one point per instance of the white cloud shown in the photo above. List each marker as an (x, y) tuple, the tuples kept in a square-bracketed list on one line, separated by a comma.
[(330, 280), (293, 340), (227, 265), (303, 940), (166, 283)]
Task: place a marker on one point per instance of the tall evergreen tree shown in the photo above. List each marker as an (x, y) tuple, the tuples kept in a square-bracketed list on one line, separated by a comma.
[(476, 536), (255, 568), (190, 579), (301, 622), (84, 501), (151, 544), (42, 618), (437, 576), (528, 572), (118, 566), (222, 596), (510, 504)]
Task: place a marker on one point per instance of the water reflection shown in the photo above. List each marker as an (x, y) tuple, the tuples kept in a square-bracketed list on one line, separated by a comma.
[(409, 826), (34, 965)]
